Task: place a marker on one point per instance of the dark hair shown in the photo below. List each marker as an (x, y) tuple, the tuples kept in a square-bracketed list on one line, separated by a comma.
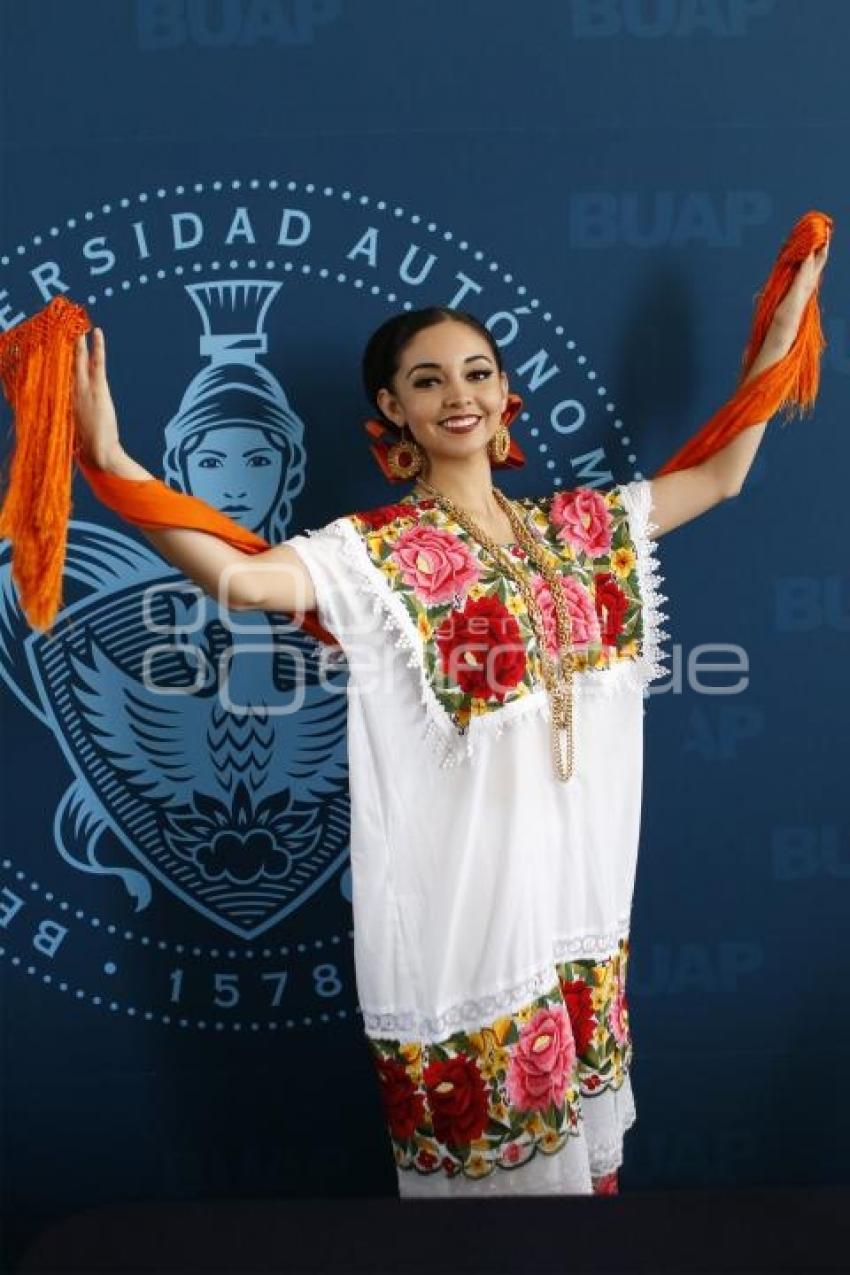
[(384, 348)]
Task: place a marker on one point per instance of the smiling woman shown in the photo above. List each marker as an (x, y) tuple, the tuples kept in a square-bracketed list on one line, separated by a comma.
[(500, 651)]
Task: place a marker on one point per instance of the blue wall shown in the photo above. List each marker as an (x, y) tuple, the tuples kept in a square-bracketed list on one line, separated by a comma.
[(606, 181)]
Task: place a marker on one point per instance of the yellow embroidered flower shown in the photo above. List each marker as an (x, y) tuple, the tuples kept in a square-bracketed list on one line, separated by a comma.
[(424, 626), (375, 543), (390, 568), (535, 1124), (611, 497), (623, 561), (629, 649), (515, 605), (478, 706), (477, 1166), (476, 591), (525, 1015), (502, 1027), (462, 716), (411, 1052), (551, 1141)]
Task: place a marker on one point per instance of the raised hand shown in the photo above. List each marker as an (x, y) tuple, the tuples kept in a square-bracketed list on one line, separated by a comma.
[(789, 312), (97, 423)]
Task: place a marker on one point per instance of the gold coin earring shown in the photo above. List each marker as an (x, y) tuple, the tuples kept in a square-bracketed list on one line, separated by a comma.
[(405, 458), (499, 445)]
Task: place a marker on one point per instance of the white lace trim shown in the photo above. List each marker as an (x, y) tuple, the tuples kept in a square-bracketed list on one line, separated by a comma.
[(604, 1138), (468, 1015), (637, 500), (452, 747), (474, 1013), (577, 946)]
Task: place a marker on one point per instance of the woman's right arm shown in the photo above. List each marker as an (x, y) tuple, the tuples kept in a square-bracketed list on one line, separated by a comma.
[(274, 580)]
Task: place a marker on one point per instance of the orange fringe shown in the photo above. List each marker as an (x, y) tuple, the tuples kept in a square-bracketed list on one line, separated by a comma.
[(37, 366), (789, 385), (37, 372)]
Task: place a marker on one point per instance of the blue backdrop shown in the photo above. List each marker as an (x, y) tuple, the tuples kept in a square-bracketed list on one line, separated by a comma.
[(240, 191)]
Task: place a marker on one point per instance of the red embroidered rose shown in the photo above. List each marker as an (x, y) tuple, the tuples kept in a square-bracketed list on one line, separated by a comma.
[(542, 1060), (579, 1001), (611, 605), (403, 1105), (427, 1161), (482, 648), (377, 518), (458, 1099)]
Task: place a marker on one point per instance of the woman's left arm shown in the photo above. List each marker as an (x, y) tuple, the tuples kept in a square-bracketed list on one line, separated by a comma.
[(686, 493)]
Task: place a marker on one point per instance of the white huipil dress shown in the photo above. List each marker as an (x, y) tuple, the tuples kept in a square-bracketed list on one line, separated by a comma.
[(491, 899)]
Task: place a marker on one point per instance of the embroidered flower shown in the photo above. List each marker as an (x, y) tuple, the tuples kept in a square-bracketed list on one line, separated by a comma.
[(618, 1018), (580, 1009), (403, 1105), (611, 606), (623, 562), (375, 519), (458, 1099), (482, 648), (580, 608), (427, 1161), (542, 1060), (512, 1153), (435, 563), (583, 518)]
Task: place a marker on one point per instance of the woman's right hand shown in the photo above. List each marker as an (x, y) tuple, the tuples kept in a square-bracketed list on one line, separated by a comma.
[(97, 423)]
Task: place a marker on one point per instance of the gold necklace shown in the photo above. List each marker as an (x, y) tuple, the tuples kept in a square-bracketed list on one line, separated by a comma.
[(557, 675)]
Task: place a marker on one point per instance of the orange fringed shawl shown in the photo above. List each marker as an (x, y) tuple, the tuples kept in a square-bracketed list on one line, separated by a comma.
[(36, 370)]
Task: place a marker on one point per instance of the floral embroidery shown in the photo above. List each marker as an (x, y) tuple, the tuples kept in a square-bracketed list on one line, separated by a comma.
[(485, 1099), (479, 649), (482, 648), (595, 996), (436, 564), (583, 518)]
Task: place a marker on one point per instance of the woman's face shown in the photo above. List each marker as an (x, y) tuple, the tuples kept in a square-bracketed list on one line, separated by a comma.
[(237, 471), (454, 403)]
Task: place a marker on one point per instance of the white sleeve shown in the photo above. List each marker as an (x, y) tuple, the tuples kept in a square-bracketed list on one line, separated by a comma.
[(341, 602)]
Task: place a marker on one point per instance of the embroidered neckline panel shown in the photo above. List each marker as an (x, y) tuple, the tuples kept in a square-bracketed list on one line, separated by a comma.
[(467, 622)]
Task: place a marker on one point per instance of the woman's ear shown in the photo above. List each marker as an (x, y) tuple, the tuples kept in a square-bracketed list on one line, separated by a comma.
[(388, 404)]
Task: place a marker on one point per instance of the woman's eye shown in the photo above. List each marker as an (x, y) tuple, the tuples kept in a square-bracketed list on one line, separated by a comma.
[(209, 462), (259, 461), (482, 372)]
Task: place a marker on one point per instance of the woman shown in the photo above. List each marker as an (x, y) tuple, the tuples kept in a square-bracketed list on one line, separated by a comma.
[(499, 654)]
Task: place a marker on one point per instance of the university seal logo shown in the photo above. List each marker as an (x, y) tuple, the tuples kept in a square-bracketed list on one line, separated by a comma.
[(197, 793)]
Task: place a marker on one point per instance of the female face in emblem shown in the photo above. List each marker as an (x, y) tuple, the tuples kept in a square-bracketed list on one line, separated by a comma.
[(450, 390), (237, 470)]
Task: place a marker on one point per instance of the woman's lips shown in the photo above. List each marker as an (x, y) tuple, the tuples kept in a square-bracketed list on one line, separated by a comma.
[(459, 424)]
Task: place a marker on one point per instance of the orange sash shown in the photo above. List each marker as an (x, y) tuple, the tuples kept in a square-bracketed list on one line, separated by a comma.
[(36, 370)]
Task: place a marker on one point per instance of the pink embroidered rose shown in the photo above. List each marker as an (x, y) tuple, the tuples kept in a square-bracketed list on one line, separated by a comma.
[(435, 563), (580, 608), (583, 519), (542, 1060), (618, 1017)]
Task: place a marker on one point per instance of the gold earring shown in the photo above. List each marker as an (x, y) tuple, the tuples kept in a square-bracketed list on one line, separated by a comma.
[(405, 459), (499, 445)]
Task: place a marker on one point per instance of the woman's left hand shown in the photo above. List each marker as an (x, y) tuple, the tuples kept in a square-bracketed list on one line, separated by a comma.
[(789, 312)]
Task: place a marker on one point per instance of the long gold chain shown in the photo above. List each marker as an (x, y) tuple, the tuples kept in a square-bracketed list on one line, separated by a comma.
[(557, 675)]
